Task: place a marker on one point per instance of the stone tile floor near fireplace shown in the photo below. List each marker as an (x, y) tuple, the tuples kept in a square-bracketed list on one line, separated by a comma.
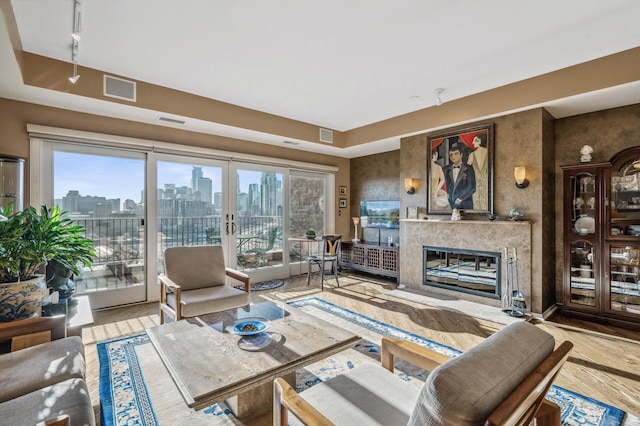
[(604, 363)]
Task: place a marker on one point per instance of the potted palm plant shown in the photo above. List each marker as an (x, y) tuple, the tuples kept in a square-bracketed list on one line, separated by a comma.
[(28, 240)]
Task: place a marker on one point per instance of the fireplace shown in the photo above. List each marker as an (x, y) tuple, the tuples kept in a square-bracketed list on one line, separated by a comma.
[(469, 271)]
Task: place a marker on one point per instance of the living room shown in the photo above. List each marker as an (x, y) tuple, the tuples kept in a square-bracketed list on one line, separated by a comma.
[(373, 160)]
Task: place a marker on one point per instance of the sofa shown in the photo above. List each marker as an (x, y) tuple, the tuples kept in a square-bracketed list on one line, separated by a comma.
[(43, 384)]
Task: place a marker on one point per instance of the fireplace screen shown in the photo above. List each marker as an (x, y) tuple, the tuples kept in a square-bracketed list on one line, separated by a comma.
[(469, 271)]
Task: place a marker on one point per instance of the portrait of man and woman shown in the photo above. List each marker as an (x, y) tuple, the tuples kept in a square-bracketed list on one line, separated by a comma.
[(460, 171)]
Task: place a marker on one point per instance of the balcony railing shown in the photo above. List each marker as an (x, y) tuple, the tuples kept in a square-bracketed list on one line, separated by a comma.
[(119, 244)]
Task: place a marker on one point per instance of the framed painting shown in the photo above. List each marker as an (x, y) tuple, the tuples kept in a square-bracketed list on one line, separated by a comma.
[(343, 203), (342, 190), (412, 212), (460, 171)]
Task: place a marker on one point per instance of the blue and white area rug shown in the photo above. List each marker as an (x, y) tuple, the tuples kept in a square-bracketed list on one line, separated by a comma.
[(135, 388)]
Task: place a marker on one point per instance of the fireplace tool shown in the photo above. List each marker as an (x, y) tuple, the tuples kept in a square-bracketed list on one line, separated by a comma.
[(513, 302)]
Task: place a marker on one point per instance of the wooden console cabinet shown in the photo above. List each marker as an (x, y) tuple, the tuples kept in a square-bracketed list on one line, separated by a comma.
[(371, 258)]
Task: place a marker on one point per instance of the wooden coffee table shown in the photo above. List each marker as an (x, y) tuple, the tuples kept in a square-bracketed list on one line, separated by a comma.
[(209, 363)]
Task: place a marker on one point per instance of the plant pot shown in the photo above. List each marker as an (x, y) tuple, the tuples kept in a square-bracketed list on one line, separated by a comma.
[(20, 300)]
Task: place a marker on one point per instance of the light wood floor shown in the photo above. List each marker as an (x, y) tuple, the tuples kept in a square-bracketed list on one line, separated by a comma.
[(604, 364)]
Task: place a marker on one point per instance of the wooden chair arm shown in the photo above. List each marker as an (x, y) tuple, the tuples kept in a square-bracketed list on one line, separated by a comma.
[(168, 283), (63, 420), (519, 404), (240, 276), (411, 352), (56, 325), (286, 399)]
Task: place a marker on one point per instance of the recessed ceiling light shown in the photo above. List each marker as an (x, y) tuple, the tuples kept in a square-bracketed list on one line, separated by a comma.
[(291, 143)]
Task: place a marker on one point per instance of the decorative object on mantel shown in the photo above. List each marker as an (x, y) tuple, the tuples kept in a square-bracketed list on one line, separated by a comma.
[(412, 212), (514, 214), (585, 154), (356, 221), (456, 215)]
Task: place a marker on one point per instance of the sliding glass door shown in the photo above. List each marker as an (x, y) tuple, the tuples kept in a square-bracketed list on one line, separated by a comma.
[(118, 191), (103, 190)]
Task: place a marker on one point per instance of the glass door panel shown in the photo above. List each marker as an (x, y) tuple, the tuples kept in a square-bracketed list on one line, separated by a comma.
[(103, 190), (306, 210), (190, 204), (624, 274), (258, 223), (582, 290)]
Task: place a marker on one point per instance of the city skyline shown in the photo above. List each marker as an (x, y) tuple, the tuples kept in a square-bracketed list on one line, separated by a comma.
[(121, 177)]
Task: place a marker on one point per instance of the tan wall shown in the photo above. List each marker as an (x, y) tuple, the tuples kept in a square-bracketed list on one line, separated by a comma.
[(14, 141)]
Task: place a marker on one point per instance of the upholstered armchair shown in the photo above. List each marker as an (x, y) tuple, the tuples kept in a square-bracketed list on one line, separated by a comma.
[(195, 283), (501, 381)]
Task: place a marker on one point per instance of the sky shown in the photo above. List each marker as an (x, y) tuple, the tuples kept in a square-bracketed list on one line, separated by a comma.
[(117, 177)]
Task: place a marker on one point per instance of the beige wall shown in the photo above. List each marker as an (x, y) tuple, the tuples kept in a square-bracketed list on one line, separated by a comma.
[(14, 141)]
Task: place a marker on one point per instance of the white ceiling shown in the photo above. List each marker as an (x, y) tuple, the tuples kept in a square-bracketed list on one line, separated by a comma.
[(331, 63)]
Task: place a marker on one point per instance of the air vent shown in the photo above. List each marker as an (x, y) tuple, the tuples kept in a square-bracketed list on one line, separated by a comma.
[(118, 88), (171, 120), (326, 135)]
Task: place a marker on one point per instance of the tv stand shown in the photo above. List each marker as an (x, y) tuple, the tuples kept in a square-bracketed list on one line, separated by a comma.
[(372, 258)]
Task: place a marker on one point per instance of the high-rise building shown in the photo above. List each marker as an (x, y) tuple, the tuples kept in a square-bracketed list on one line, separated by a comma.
[(205, 187), (196, 174), (269, 185)]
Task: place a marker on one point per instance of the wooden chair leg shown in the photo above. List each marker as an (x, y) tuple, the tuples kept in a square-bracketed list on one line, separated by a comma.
[(548, 414)]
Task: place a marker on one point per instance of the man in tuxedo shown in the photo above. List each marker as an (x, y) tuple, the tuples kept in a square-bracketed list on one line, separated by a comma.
[(459, 177)]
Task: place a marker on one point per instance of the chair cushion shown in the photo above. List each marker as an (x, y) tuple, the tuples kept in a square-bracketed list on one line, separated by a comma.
[(196, 267), (465, 390), (26, 370), (68, 397), (367, 395), (211, 299)]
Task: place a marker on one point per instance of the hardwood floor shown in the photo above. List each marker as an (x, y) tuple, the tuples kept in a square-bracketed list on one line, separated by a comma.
[(604, 364)]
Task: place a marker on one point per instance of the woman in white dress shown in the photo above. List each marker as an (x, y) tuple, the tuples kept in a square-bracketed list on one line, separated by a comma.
[(478, 160)]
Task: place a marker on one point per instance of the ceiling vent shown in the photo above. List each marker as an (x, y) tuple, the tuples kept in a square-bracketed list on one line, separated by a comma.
[(326, 135), (118, 88), (171, 120)]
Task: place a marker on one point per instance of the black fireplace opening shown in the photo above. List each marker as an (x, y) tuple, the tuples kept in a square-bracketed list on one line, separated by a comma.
[(469, 271)]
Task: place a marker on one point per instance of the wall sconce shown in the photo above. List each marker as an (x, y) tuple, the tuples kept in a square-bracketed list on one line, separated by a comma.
[(520, 174), (410, 185)]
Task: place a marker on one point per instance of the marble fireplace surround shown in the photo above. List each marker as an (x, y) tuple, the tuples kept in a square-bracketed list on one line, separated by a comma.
[(468, 235)]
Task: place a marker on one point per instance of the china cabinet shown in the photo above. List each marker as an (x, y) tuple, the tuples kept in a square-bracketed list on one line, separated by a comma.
[(602, 239)]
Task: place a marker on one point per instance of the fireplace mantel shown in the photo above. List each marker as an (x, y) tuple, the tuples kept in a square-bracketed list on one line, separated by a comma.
[(480, 235)]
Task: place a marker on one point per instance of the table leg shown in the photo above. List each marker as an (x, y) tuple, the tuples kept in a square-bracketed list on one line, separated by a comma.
[(257, 400)]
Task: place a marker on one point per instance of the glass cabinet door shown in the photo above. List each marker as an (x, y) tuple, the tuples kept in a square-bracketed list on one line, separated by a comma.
[(624, 200), (584, 204), (624, 278), (582, 279)]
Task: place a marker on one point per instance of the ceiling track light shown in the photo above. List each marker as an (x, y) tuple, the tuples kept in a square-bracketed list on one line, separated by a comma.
[(438, 92), (76, 76), (76, 37)]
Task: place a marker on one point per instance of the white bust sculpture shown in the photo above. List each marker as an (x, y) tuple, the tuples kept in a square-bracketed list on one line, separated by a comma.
[(585, 152)]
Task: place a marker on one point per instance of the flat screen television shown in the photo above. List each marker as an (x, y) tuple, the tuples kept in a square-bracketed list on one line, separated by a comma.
[(381, 214)]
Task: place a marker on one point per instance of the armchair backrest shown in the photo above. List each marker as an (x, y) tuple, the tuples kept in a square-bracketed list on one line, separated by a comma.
[(195, 267), (467, 389)]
